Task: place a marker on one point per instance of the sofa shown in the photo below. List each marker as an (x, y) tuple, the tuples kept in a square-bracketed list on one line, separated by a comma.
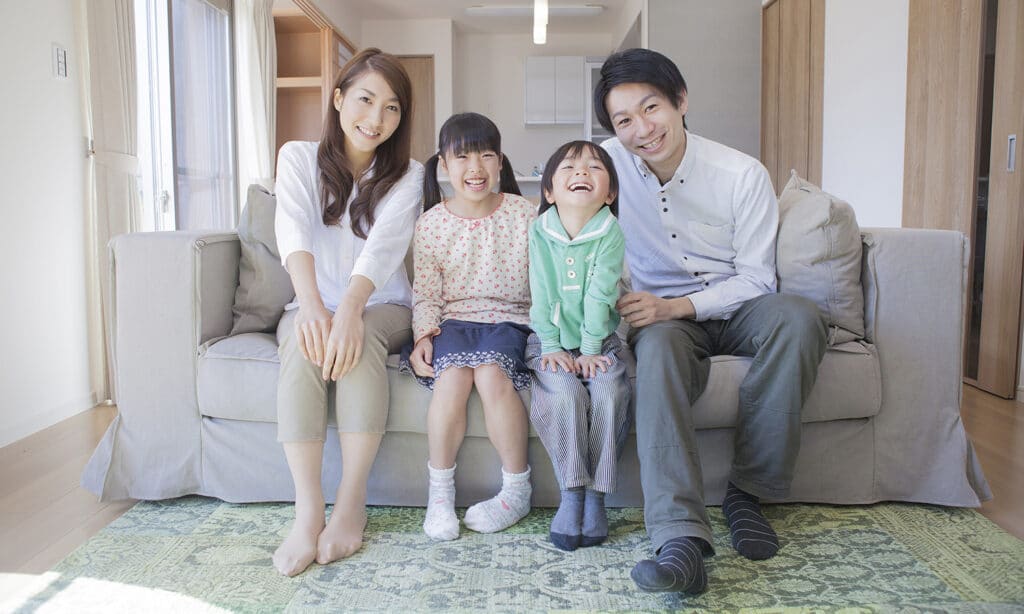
[(197, 403)]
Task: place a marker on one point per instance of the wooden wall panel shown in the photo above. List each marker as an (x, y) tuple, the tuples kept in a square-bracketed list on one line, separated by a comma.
[(792, 74), (943, 95), (1004, 243), (770, 91), (794, 86)]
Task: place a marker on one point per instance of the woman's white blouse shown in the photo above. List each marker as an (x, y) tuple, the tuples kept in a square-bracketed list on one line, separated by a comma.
[(337, 253)]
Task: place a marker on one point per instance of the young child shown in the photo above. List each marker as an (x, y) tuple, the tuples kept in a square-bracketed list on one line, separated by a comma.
[(471, 301), (580, 397)]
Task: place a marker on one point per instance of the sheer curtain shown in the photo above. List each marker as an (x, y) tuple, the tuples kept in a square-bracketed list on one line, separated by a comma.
[(203, 122), (113, 190), (255, 80)]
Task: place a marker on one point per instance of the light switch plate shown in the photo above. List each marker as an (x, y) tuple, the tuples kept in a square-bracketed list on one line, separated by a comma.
[(60, 62)]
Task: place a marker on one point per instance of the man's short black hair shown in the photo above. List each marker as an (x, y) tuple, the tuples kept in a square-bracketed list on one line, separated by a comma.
[(637, 66)]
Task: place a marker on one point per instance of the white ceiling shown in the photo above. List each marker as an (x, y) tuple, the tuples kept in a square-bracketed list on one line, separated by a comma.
[(455, 11)]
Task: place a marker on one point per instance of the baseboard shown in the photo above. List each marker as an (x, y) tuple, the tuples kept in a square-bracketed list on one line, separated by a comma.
[(37, 421), (1020, 393)]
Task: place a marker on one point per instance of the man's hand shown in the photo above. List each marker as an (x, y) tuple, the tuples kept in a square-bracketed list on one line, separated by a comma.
[(557, 359), (642, 308), (422, 357), (588, 365)]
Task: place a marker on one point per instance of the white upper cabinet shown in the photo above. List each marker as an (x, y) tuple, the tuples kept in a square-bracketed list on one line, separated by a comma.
[(554, 90)]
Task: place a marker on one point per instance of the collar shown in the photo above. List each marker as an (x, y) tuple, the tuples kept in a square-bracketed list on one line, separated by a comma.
[(595, 228)]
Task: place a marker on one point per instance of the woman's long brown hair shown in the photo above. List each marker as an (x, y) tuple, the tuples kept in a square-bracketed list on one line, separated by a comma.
[(391, 159)]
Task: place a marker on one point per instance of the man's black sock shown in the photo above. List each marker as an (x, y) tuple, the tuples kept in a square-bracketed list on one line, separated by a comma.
[(679, 566), (752, 536)]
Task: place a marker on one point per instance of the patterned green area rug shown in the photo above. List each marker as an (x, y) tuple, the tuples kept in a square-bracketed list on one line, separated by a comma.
[(196, 553)]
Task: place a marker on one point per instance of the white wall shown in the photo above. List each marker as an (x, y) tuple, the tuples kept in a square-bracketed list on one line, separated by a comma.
[(419, 37), (489, 75), (865, 106), (717, 47), (45, 376)]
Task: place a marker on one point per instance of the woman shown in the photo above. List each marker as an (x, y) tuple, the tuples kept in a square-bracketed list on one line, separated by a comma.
[(346, 208)]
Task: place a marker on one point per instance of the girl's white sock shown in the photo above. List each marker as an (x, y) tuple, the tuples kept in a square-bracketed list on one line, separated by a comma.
[(441, 522), (508, 507)]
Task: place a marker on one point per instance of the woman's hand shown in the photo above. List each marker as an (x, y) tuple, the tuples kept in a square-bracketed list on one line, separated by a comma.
[(344, 346), (558, 359), (312, 329), (588, 365), (422, 357)]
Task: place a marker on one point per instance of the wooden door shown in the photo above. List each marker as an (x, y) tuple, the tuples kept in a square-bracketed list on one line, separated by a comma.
[(998, 347), (421, 73), (944, 57), (792, 84)]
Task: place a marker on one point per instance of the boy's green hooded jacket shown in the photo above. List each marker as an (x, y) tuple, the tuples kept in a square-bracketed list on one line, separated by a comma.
[(574, 282)]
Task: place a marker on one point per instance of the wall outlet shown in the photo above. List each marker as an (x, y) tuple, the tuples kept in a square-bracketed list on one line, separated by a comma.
[(60, 62)]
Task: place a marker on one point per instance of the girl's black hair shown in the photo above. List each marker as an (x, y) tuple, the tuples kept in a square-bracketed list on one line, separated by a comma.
[(466, 133), (574, 149)]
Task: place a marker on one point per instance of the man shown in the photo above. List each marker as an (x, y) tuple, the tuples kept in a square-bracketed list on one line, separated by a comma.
[(700, 221)]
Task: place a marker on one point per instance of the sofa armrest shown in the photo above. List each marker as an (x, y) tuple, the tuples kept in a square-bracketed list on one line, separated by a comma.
[(915, 282), (171, 292)]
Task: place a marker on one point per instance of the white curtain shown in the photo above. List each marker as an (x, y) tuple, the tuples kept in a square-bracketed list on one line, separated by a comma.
[(113, 194), (256, 93)]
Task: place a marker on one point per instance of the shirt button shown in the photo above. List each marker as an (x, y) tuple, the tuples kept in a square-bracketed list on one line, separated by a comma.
[(571, 274), (664, 200), (684, 257), (673, 235), (665, 209), (570, 261), (682, 181)]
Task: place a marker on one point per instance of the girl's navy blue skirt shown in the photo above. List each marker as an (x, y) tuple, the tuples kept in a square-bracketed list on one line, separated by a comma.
[(472, 344)]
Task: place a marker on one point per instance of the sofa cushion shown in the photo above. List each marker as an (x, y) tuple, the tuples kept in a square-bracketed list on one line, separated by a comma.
[(264, 287), (819, 256), (238, 380)]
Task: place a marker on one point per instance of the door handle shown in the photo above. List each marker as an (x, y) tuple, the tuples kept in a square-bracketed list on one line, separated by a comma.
[(1011, 153)]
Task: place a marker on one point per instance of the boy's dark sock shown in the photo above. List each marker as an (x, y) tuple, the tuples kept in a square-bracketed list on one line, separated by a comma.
[(752, 536), (679, 566), (595, 519), (567, 524)]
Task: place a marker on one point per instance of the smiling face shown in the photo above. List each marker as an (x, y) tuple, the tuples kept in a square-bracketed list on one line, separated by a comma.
[(474, 175), (649, 125), (580, 182), (369, 113)]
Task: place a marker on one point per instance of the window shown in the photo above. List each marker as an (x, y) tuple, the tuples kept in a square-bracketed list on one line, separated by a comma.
[(186, 123)]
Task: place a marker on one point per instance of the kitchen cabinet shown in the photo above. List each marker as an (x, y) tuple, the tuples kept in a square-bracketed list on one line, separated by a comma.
[(554, 90)]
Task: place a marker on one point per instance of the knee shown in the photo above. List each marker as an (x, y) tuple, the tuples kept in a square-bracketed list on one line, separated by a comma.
[(800, 320), (491, 382), (656, 345)]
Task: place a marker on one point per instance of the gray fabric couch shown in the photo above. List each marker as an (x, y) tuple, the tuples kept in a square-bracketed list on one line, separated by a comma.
[(197, 415)]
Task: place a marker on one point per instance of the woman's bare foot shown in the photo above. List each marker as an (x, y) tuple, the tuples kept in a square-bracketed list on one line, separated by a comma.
[(299, 549), (343, 535)]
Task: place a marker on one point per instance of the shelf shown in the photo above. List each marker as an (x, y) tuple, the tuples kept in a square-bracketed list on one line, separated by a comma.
[(299, 82)]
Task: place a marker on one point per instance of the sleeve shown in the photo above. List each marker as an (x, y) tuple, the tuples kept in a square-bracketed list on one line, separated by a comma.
[(388, 239), (540, 307), (427, 284), (599, 316), (756, 229), (297, 202)]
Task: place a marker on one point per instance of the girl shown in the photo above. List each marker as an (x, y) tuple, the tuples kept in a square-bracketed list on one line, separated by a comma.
[(580, 395), (470, 316), (346, 208)]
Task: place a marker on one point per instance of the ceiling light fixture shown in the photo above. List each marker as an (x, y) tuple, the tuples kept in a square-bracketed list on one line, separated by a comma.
[(525, 10), (540, 22)]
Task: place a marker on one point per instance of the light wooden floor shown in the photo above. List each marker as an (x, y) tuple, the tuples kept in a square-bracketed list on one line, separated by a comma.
[(45, 514)]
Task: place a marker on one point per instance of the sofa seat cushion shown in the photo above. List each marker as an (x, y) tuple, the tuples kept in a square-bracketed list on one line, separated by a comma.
[(237, 380)]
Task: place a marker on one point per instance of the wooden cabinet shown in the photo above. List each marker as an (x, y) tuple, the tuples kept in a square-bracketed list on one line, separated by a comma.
[(554, 90), (792, 86), (309, 53)]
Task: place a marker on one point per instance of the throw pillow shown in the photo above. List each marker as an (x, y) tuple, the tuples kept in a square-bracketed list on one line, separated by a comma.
[(819, 256), (264, 287)]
